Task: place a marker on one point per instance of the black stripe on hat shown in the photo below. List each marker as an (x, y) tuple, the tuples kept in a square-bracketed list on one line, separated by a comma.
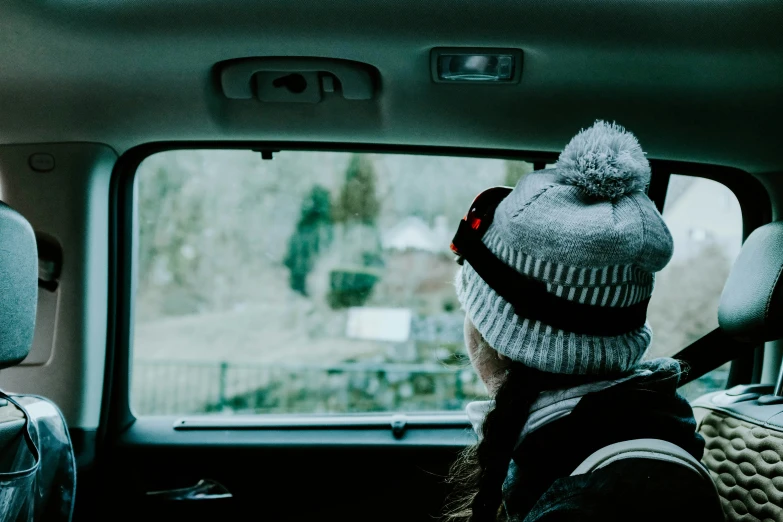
[(531, 300)]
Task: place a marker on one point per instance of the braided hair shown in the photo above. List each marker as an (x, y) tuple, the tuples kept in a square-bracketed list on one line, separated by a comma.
[(478, 474)]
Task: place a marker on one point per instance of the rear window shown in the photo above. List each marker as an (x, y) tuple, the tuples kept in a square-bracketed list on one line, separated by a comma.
[(322, 282)]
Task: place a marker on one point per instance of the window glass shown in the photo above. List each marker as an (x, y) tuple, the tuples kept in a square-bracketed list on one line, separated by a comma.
[(323, 283), (705, 220)]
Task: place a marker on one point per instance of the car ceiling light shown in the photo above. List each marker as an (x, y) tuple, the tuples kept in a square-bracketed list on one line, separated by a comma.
[(492, 66)]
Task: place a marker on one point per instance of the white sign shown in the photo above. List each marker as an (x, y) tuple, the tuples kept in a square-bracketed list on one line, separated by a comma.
[(379, 324)]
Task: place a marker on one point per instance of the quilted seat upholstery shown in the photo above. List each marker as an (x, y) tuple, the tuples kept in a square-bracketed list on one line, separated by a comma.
[(746, 462)]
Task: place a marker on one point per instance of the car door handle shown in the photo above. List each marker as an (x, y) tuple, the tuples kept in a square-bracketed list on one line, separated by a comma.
[(205, 489)]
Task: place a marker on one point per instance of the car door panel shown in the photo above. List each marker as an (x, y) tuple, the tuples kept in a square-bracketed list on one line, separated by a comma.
[(283, 474)]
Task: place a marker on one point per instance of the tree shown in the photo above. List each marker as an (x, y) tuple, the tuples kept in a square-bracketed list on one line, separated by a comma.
[(313, 233), (357, 210), (171, 221), (156, 192), (358, 201)]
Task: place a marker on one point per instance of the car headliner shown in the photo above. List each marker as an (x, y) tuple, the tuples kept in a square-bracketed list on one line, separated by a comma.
[(696, 80)]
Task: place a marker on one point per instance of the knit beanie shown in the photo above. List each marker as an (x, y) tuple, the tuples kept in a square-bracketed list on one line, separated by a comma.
[(586, 229)]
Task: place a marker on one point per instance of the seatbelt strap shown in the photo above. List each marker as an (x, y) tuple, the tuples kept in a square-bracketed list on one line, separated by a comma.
[(709, 352), (654, 449)]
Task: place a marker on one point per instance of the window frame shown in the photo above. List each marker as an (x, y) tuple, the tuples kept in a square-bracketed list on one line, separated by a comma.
[(116, 414)]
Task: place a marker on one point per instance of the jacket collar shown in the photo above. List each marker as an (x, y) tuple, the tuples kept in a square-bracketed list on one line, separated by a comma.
[(551, 405)]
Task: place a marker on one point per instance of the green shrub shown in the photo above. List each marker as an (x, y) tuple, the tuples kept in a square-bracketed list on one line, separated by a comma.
[(350, 287)]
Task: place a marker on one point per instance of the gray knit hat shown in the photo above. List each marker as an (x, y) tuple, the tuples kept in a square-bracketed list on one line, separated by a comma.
[(587, 229)]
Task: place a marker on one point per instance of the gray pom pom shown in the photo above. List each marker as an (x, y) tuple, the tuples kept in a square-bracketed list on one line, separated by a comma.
[(605, 161)]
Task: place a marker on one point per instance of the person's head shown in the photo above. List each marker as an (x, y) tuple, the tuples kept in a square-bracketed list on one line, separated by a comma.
[(555, 290)]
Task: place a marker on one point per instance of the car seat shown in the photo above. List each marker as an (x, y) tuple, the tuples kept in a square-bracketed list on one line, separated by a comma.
[(743, 426), (37, 467)]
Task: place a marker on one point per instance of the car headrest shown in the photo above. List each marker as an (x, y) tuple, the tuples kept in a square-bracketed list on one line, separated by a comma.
[(18, 286), (751, 307)]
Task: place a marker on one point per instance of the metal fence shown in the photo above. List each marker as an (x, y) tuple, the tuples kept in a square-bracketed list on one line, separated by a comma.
[(180, 387)]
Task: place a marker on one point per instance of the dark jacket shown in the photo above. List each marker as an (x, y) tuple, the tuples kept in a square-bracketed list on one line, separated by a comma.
[(539, 486)]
